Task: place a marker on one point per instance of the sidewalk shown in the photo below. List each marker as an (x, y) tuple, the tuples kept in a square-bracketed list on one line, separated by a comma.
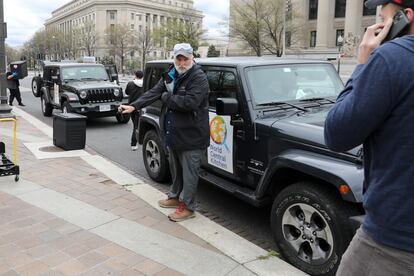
[(75, 213)]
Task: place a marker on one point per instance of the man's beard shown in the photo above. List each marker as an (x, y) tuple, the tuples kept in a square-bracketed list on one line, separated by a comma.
[(182, 69)]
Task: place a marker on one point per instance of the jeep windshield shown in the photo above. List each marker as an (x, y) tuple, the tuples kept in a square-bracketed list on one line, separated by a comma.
[(84, 73), (293, 83)]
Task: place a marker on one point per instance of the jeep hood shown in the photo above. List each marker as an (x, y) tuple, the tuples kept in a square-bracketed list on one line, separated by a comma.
[(305, 128), (81, 85)]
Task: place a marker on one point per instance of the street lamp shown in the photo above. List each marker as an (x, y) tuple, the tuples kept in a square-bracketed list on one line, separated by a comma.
[(5, 109), (340, 42)]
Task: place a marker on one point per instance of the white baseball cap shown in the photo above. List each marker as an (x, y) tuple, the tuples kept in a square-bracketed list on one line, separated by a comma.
[(183, 49)]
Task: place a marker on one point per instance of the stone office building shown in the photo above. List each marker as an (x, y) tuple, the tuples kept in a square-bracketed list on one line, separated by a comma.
[(137, 14), (325, 21)]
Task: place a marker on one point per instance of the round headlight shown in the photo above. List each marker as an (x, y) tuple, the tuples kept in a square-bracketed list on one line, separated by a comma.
[(116, 92), (83, 95)]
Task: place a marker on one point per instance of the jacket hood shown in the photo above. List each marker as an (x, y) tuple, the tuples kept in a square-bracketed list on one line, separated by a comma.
[(138, 82)]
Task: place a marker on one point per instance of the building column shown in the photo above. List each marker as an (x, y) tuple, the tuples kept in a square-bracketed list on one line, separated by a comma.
[(353, 23), (325, 24)]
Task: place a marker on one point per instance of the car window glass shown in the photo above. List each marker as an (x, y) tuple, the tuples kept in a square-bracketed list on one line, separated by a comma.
[(222, 85), (155, 76), (284, 83)]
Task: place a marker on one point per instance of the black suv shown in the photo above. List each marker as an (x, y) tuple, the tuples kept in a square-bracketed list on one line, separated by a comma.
[(267, 147), (80, 88)]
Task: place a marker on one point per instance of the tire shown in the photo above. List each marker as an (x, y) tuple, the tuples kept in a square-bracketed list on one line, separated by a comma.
[(36, 86), (310, 226), (47, 108), (66, 108), (122, 119), (155, 159)]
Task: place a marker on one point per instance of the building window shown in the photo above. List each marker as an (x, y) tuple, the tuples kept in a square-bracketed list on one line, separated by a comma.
[(339, 32), (313, 9), (340, 6), (369, 12), (312, 39), (132, 26), (140, 28), (140, 17), (112, 15), (132, 16), (154, 19)]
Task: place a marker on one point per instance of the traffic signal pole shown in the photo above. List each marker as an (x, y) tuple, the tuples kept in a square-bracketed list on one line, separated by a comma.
[(5, 109)]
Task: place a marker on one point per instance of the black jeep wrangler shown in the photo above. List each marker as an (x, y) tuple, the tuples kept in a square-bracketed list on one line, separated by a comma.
[(80, 88), (267, 147)]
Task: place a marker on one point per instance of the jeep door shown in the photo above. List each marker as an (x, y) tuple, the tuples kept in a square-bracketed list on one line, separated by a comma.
[(52, 81), (229, 135)]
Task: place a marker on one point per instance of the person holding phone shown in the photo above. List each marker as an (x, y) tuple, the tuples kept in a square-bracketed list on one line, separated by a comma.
[(376, 109)]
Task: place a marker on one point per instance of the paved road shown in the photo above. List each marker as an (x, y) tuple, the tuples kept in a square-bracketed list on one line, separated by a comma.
[(111, 140)]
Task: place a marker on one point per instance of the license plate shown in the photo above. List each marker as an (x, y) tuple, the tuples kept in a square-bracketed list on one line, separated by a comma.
[(103, 108)]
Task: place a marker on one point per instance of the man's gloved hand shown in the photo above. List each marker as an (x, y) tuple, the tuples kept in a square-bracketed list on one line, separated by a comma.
[(165, 96)]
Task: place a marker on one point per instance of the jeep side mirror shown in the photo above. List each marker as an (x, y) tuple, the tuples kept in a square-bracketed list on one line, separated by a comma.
[(227, 106)]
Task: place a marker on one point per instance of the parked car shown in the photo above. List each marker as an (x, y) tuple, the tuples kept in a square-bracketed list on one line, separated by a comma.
[(267, 147), (80, 88)]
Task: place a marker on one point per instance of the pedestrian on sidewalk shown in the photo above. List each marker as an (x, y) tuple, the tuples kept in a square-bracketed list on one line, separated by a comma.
[(134, 89), (13, 85), (376, 109), (184, 123)]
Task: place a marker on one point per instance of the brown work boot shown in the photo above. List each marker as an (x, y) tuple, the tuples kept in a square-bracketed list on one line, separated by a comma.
[(181, 213), (168, 203)]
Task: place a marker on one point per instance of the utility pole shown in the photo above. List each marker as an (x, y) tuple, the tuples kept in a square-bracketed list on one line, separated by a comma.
[(5, 109)]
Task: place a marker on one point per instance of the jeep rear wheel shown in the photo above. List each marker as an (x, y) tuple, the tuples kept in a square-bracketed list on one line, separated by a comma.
[(155, 159), (47, 108), (310, 226), (36, 85)]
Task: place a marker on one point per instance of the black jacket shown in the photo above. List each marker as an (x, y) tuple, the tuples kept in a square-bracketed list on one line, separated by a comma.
[(187, 107), (134, 91)]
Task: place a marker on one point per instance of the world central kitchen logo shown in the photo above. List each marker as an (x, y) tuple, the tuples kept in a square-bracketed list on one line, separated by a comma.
[(218, 131)]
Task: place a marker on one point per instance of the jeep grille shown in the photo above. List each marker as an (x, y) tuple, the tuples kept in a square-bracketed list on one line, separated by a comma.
[(101, 95)]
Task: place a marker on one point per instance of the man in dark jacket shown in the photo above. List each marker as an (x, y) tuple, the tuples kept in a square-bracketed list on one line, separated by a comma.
[(134, 90), (13, 85), (184, 124), (376, 108)]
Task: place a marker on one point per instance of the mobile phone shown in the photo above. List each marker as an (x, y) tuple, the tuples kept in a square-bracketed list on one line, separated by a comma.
[(399, 26)]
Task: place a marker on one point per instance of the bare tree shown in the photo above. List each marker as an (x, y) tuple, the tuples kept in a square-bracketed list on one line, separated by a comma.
[(120, 38), (262, 24), (88, 37), (278, 20), (181, 26), (247, 23), (12, 54), (145, 44)]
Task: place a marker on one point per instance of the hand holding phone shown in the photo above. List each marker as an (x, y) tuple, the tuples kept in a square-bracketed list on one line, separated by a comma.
[(399, 26)]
